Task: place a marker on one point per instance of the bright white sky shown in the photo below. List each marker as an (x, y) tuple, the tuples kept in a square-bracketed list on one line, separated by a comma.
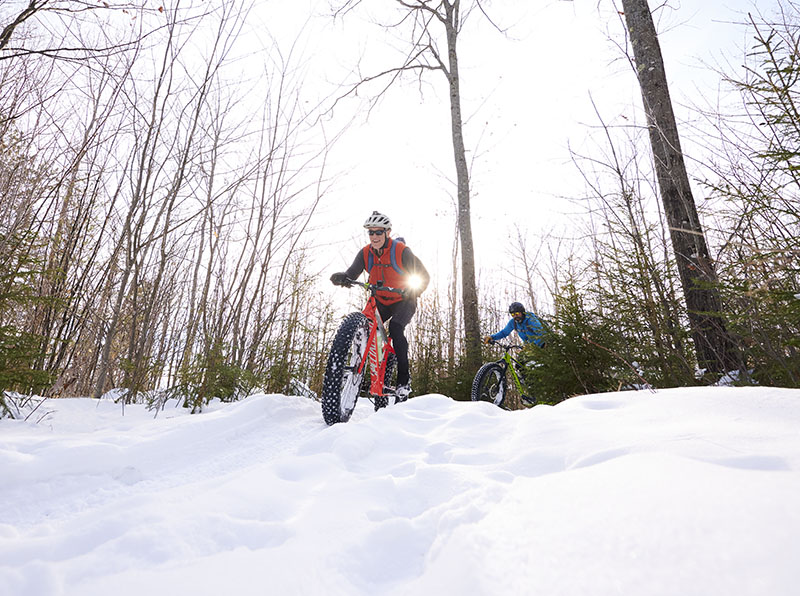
[(526, 98), (690, 492)]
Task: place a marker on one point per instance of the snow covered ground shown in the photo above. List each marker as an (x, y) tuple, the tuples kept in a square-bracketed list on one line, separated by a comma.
[(680, 492)]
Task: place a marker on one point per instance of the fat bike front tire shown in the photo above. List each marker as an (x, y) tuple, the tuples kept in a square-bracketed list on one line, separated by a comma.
[(490, 384), (342, 380)]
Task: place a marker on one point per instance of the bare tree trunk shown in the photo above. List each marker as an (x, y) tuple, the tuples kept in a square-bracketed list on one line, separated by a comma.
[(142, 170), (469, 290), (452, 293), (716, 350)]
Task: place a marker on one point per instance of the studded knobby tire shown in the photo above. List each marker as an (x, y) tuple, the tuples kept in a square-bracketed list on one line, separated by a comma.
[(490, 384), (389, 381), (341, 382)]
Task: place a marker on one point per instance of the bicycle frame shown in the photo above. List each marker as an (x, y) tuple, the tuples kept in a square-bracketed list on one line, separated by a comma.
[(509, 362), (379, 344)]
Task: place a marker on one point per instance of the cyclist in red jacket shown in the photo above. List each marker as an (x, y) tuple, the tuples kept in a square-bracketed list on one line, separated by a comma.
[(392, 262)]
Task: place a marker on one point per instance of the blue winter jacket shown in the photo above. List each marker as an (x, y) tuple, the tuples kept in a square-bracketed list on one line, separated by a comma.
[(530, 329)]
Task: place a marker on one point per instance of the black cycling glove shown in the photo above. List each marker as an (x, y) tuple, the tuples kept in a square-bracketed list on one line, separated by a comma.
[(339, 279)]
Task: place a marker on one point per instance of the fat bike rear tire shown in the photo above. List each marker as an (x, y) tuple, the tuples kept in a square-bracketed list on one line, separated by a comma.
[(381, 401), (490, 384), (342, 380)]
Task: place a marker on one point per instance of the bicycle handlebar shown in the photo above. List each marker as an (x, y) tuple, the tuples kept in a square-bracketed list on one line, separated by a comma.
[(372, 288), (506, 347)]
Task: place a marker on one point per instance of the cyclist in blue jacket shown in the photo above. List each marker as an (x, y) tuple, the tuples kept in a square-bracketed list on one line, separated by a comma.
[(528, 326)]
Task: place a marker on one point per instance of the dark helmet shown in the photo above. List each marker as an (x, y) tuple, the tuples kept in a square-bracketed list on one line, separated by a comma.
[(516, 307)]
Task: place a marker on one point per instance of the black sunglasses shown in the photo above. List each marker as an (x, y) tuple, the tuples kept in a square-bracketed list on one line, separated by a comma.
[(376, 232)]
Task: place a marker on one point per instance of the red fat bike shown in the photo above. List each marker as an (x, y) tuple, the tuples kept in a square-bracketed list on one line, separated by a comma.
[(361, 361)]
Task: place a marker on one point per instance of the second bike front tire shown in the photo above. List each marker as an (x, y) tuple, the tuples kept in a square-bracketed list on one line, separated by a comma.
[(490, 384)]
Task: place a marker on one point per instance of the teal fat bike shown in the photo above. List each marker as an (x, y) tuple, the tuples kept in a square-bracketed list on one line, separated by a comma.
[(491, 381)]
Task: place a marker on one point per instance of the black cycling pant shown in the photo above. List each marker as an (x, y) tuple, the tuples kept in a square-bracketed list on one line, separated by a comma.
[(399, 315)]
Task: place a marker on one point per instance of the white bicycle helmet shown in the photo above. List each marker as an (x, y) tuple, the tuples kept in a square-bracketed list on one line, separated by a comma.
[(378, 220)]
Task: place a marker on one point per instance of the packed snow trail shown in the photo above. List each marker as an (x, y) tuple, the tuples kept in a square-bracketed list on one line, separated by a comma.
[(689, 491)]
